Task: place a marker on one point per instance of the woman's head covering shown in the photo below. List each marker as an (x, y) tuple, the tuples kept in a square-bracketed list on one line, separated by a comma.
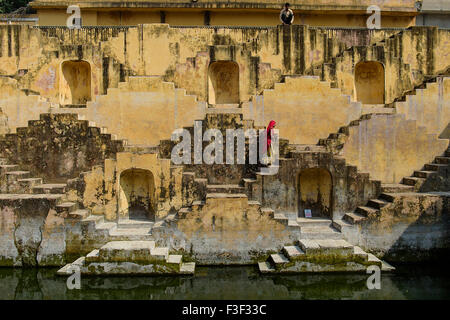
[(271, 125)]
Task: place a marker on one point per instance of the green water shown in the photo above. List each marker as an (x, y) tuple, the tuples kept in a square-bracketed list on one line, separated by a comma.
[(409, 282)]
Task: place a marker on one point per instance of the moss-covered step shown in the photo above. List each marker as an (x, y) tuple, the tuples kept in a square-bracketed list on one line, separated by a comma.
[(130, 257), (321, 255)]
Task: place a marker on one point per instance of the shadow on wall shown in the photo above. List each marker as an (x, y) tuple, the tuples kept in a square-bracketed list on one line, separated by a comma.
[(426, 238), (137, 195), (223, 82), (369, 82), (315, 192), (75, 86)]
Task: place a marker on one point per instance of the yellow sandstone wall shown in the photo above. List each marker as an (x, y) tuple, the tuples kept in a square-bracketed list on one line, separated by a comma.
[(304, 108), (430, 107), (390, 147), (143, 110)]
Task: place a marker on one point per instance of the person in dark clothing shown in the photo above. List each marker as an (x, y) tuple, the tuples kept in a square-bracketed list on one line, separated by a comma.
[(286, 14)]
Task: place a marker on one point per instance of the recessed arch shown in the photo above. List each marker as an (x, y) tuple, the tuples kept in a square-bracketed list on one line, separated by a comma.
[(370, 82), (137, 194), (223, 82), (315, 192), (75, 83)]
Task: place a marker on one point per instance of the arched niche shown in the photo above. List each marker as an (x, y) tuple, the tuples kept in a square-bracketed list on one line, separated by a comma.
[(369, 82), (315, 192), (137, 194), (75, 86), (223, 82)]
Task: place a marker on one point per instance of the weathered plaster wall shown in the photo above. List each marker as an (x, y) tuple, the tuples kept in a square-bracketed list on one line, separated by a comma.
[(58, 147), (226, 231), (167, 183), (390, 147), (430, 107), (412, 228), (315, 192), (32, 231), (143, 110), (349, 188), (304, 108)]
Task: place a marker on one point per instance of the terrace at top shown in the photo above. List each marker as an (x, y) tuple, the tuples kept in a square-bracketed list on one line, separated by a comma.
[(342, 13)]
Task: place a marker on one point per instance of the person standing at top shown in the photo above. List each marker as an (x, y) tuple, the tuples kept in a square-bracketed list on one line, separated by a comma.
[(286, 14)]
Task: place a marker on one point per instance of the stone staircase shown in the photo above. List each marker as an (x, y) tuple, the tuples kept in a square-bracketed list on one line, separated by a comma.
[(130, 258), (71, 130), (321, 255), (409, 185)]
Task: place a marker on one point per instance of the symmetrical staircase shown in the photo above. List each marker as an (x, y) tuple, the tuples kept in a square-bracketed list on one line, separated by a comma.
[(321, 255), (130, 257)]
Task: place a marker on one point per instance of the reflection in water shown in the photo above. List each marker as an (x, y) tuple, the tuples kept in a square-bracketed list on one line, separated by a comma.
[(227, 283)]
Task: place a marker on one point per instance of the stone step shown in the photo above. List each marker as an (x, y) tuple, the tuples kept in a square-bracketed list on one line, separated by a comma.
[(433, 167), (442, 160), (265, 267), (335, 246), (50, 188), (396, 188), (15, 175), (353, 218), (320, 232), (29, 183), (269, 212), (292, 251), (93, 256), (175, 258), (131, 234), (187, 268), (360, 252), (160, 253), (278, 258), (105, 227), (340, 225), (305, 222), (79, 214), (66, 207), (412, 181), (225, 195), (96, 219), (309, 246), (128, 251), (134, 224), (280, 217), (183, 212), (423, 174), (8, 167), (377, 203), (293, 224), (366, 211), (371, 258), (224, 188)]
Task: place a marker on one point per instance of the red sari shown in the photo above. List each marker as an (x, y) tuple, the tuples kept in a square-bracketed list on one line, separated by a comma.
[(269, 135)]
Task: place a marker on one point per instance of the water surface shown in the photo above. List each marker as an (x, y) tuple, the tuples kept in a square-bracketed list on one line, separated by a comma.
[(408, 282)]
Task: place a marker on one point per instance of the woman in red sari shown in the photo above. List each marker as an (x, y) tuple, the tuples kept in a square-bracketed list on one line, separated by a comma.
[(269, 139)]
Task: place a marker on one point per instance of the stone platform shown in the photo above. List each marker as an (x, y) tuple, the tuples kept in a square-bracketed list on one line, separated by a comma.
[(321, 255), (131, 258)]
